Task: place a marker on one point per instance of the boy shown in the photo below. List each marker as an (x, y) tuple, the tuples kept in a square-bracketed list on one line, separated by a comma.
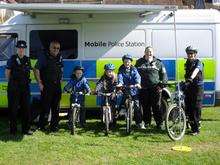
[(128, 76), (78, 83)]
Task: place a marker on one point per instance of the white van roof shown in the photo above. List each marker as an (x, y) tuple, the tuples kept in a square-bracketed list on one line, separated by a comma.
[(59, 8)]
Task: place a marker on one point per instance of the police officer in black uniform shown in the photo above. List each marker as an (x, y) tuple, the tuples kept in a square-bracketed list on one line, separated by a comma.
[(18, 75), (153, 76), (194, 88), (48, 73)]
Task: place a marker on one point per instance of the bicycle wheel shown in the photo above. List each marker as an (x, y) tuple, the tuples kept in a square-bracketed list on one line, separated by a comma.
[(129, 118), (73, 123), (107, 119), (175, 122)]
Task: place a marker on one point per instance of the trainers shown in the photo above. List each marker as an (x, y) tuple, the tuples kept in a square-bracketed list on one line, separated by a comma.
[(159, 126), (141, 126), (148, 125), (195, 133)]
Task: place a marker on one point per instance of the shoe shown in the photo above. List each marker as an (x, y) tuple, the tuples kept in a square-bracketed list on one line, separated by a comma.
[(43, 129), (195, 133), (141, 126), (147, 125), (28, 132), (159, 127)]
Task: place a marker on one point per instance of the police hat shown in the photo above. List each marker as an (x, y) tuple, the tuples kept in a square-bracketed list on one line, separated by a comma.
[(190, 49), (21, 44)]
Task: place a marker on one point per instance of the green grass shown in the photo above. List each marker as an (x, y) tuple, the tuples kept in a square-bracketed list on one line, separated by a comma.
[(90, 146)]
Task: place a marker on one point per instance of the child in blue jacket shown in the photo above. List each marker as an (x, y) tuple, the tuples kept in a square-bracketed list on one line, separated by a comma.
[(128, 76), (78, 83)]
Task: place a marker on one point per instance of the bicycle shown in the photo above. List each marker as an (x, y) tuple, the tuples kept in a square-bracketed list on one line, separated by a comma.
[(107, 117), (175, 120), (129, 104), (74, 111)]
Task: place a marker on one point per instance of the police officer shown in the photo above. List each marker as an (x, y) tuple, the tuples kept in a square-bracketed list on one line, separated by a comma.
[(153, 76), (18, 75), (48, 73), (194, 88)]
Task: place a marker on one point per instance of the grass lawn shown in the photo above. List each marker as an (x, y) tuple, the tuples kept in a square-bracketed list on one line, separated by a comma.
[(91, 146)]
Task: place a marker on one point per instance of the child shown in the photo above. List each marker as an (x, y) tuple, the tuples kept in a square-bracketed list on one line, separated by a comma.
[(78, 83), (129, 76), (106, 84)]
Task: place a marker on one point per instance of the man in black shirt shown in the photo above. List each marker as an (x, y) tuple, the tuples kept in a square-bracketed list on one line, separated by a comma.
[(48, 72), (153, 76)]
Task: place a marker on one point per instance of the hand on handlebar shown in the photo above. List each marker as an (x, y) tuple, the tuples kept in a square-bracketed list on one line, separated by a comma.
[(138, 86)]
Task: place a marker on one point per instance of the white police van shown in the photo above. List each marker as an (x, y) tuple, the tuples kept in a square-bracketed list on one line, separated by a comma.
[(93, 35)]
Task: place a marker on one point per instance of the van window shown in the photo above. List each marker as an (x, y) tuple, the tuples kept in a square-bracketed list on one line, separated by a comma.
[(40, 40), (163, 41), (7, 45)]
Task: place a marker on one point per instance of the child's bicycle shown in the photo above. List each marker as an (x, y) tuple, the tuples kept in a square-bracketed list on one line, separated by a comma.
[(129, 106), (74, 113), (107, 117), (175, 120)]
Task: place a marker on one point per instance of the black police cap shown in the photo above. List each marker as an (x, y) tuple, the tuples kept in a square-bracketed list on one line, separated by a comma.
[(21, 44)]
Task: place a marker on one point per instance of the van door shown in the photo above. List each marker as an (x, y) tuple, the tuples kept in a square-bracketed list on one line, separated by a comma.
[(8, 38), (39, 37)]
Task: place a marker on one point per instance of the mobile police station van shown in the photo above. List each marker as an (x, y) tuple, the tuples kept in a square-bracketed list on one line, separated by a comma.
[(92, 35)]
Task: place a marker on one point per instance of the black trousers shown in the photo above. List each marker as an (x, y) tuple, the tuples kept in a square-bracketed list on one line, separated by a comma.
[(193, 103), (50, 97), (19, 97), (150, 100)]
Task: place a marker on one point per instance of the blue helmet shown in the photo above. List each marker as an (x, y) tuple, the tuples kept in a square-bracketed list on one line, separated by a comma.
[(190, 49), (109, 66), (127, 56), (78, 68)]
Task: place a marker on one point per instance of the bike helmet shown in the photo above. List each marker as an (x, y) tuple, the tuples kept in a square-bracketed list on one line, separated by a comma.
[(109, 66), (190, 49), (78, 68), (127, 56)]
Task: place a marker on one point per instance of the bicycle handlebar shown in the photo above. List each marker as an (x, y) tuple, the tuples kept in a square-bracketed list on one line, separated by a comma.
[(105, 94)]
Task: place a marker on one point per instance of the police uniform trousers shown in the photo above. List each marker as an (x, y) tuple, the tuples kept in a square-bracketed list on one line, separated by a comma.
[(19, 98), (50, 97), (150, 100), (193, 103)]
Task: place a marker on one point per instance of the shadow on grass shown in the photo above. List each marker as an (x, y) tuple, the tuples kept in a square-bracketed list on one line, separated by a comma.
[(5, 136), (97, 128), (210, 119)]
